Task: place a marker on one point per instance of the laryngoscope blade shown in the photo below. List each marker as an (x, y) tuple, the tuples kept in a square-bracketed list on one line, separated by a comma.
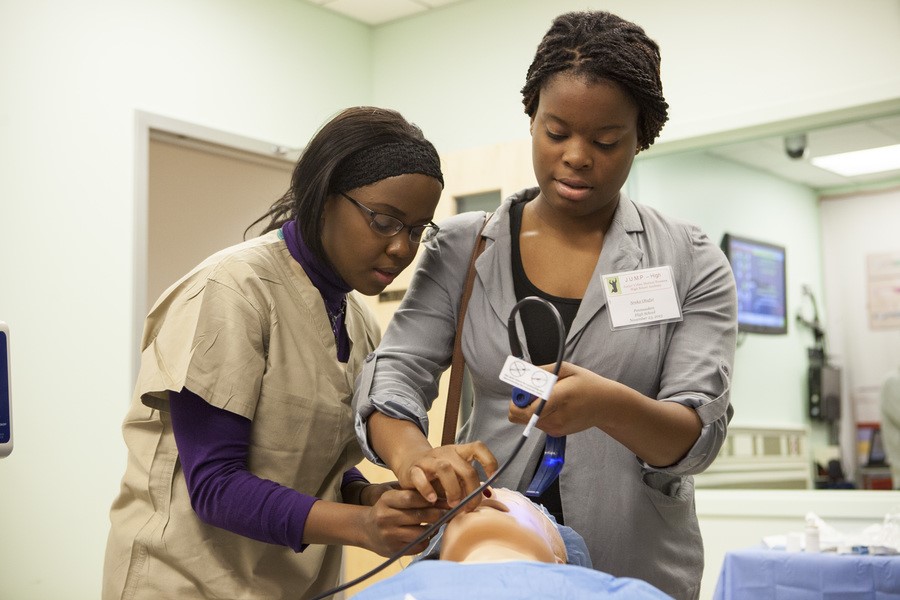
[(554, 451)]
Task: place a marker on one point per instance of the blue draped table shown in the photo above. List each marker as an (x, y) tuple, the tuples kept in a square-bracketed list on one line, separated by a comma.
[(757, 573)]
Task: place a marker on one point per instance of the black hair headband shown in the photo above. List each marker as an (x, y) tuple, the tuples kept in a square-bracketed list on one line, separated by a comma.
[(373, 164)]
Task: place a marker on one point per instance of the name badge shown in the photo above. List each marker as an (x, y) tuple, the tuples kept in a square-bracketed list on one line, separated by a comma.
[(640, 298)]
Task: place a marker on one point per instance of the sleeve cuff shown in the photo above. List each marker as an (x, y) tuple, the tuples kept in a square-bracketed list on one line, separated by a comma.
[(391, 405), (714, 415)]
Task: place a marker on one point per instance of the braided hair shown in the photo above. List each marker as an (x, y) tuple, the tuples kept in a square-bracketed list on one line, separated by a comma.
[(600, 45)]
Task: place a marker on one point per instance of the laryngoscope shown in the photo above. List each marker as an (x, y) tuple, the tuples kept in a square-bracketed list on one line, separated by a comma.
[(554, 447), (548, 471)]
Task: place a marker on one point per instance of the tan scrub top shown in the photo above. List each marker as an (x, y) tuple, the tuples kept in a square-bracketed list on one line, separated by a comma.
[(247, 331)]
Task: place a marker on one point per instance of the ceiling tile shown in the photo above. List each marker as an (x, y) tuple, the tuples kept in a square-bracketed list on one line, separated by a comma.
[(436, 3), (377, 12)]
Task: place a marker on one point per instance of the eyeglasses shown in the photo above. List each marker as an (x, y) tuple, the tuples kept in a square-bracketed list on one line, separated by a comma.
[(389, 226)]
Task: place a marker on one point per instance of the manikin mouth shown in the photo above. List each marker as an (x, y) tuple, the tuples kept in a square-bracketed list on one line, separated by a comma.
[(490, 502)]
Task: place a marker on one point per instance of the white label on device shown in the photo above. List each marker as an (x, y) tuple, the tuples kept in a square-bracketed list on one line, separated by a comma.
[(522, 374)]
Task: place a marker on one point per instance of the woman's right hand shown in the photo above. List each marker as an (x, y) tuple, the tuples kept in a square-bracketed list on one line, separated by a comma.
[(447, 472), (397, 518)]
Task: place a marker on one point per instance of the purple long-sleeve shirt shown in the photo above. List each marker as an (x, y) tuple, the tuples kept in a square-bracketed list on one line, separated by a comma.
[(213, 445)]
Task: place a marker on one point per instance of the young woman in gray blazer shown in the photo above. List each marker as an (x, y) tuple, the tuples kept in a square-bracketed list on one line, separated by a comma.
[(643, 394)]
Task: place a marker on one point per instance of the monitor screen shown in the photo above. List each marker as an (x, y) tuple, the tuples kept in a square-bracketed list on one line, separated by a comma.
[(760, 277)]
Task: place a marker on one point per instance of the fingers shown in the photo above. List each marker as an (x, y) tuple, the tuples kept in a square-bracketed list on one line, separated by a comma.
[(459, 478), (417, 549), (448, 471), (399, 518), (521, 416), (408, 500), (565, 369), (427, 516), (412, 508), (485, 458), (422, 484)]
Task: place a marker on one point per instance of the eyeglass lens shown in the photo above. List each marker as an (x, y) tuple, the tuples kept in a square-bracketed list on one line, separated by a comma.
[(389, 226)]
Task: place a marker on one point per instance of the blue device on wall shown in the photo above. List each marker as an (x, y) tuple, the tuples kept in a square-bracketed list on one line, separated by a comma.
[(6, 437)]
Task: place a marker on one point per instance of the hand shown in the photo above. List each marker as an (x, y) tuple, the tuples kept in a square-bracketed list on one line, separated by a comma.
[(573, 405), (448, 470), (373, 491), (396, 519)]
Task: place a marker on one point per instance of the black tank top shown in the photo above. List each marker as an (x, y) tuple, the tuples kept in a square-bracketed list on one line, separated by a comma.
[(540, 332)]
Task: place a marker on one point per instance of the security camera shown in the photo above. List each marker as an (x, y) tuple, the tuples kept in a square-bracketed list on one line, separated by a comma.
[(795, 145)]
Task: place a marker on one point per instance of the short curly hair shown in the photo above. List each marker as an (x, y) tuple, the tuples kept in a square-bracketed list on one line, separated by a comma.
[(600, 45)]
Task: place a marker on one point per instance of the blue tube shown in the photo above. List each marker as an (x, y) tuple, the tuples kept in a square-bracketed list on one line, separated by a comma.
[(554, 451), (521, 398)]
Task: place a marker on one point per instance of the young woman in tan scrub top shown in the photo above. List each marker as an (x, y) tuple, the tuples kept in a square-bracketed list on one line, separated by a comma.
[(240, 481)]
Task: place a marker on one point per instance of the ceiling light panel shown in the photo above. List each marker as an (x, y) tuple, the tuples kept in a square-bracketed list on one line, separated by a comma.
[(861, 162)]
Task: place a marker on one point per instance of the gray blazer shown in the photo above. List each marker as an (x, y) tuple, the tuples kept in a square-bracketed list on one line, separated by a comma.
[(638, 521)]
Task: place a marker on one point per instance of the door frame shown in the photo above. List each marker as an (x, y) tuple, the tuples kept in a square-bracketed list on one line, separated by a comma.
[(148, 125)]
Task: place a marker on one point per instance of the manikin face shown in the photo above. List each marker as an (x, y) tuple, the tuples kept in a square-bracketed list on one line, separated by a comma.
[(505, 526), (584, 139), (367, 261)]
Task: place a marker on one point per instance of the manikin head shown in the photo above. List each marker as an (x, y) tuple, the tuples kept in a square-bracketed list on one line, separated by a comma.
[(506, 526)]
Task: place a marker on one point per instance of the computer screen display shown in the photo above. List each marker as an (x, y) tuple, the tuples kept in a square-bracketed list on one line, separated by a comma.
[(759, 272)]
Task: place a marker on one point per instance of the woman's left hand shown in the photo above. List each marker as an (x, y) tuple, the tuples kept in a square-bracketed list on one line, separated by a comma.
[(396, 519), (575, 404)]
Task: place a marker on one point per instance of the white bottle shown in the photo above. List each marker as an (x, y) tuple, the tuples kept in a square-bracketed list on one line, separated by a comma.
[(812, 536)]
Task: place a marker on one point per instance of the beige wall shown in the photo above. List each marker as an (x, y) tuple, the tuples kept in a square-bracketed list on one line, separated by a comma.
[(201, 199)]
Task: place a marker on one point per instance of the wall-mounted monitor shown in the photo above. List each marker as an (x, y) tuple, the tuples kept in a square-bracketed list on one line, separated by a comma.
[(6, 437), (760, 277)]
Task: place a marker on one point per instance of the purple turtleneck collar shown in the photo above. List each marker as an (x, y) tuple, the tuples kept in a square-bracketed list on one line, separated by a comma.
[(332, 287)]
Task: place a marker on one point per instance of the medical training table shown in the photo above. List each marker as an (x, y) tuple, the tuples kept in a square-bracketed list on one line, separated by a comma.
[(756, 573)]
